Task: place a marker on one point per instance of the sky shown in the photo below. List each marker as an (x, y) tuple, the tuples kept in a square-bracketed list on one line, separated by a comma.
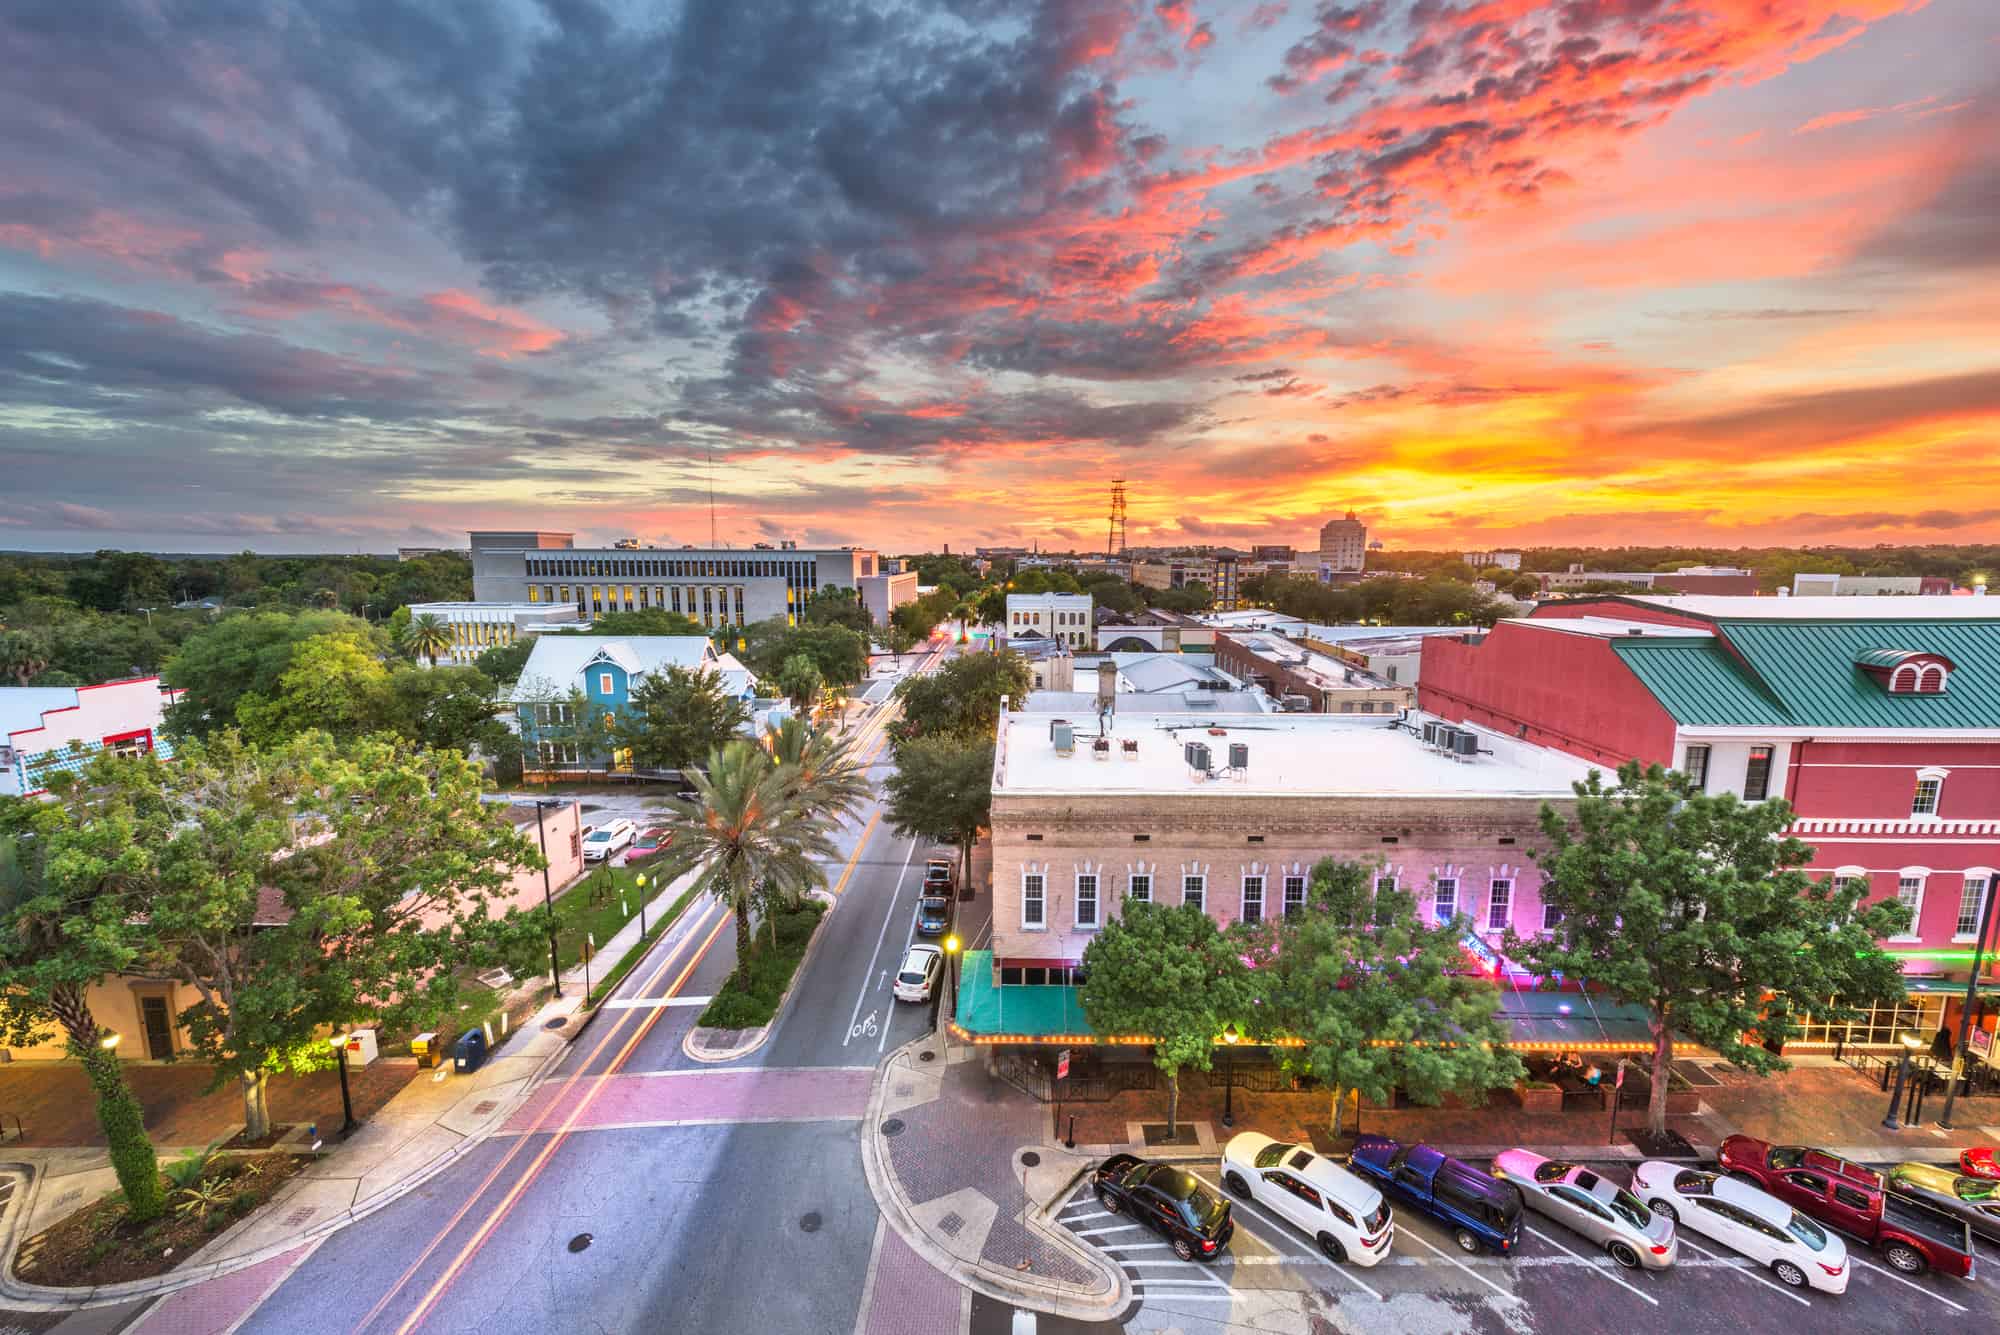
[(350, 274)]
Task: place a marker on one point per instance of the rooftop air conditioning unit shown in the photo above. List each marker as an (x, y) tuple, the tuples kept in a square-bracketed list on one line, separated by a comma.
[(1239, 756), (1065, 739), (1464, 743), (1431, 727), (1197, 757)]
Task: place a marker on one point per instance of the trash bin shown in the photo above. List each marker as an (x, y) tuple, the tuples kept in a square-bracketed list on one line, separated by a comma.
[(469, 1052), (428, 1051)]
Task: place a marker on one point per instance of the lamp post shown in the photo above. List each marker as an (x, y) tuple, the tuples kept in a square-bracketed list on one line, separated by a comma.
[(639, 883), (339, 1042), (110, 1040), (542, 807), (1229, 1039), (1911, 1042), (952, 945), (1971, 999)]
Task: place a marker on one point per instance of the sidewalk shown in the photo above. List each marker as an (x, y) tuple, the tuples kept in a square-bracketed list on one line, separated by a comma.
[(943, 1144), (411, 1137)]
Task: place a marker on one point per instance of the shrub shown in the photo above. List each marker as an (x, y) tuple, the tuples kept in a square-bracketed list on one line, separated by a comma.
[(751, 994)]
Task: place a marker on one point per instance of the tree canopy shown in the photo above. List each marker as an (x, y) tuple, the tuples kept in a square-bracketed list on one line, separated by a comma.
[(1695, 905), (248, 654), (840, 654), (942, 790), (676, 717), (644, 621), (835, 606), (962, 698)]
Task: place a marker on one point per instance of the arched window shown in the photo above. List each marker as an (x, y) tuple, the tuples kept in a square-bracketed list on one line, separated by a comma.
[(1903, 680), (1930, 680)]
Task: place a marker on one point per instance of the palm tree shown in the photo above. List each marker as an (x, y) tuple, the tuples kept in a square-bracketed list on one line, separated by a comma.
[(826, 776), (750, 832), (24, 655), (427, 636)]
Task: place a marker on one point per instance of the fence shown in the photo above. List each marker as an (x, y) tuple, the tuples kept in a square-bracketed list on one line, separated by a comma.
[(1035, 1075)]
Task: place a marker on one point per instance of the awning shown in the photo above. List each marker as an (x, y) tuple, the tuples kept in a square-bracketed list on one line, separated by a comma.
[(1016, 1013), (1548, 1021)]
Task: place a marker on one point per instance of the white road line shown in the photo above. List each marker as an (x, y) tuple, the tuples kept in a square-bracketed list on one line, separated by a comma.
[(1116, 1228), (1865, 1265), (631, 1003), (1088, 1214), (1134, 1246), (1196, 1283), (880, 937), (1174, 1265), (1195, 1297), (1510, 1297), (1595, 1268), (1285, 1234), (1745, 1270)]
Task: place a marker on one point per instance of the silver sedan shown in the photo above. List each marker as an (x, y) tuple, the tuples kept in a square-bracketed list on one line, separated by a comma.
[(1593, 1206)]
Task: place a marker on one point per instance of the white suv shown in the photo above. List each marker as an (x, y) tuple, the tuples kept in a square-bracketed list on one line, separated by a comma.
[(1345, 1216), (605, 840), (1745, 1219)]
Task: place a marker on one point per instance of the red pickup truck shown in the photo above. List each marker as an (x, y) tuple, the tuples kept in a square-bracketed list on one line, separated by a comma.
[(1911, 1236)]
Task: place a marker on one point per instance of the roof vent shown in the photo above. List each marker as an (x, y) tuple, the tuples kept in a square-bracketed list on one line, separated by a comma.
[(1065, 739), (1634, 630)]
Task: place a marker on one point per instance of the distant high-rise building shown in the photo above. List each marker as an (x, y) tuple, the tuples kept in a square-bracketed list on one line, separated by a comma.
[(1343, 545)]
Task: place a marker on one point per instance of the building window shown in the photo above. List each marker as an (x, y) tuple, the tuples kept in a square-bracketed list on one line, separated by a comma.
[(1757, 778), (1694, 764), (1498, 904), (1194, 890), (1551, 917), (1385, 885), (1971, 903), (604, 683), (1253, 899), (1295, 895), (1031, 901), (1140, 889), (1086, 900), (1910, 893), (1930, 787), (1445, 899), (534, 594)]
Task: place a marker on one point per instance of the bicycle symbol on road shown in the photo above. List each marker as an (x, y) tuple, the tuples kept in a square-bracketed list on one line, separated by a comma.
[(867, 1028)]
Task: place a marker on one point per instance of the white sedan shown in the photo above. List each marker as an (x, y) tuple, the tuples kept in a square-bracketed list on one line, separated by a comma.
[(1344, 1216), (1744, 1219)]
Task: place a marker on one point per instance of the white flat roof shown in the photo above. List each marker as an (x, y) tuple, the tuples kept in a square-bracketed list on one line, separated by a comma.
[(1861, 607), (1291, 755)]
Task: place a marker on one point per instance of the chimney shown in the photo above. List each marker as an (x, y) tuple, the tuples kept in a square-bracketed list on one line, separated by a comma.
[(1107, 683)]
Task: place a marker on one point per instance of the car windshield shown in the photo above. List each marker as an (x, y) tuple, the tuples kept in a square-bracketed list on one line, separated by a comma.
[(1271, 1154), (600, 836), (1806, 1231), (1688, 1182), (1552, 1170), (1787, 1156), (1975, 1188), (1624, 1204)]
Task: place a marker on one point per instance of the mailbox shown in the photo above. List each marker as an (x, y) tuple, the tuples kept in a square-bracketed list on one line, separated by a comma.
[(361, 1048), (469, 1052), (428, 1051)]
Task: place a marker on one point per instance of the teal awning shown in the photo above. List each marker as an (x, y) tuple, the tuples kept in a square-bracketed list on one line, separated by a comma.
[(986, 1009), (1573, 1020)]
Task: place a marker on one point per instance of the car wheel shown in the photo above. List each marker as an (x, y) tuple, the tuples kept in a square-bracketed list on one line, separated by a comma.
[(1904, 1258), (1237, 1186), (1788, 1274), (1466, 1242), (1331, 1246), (1108, 1201), (1665, 1210), (1184, 1249), (1624, 1255)]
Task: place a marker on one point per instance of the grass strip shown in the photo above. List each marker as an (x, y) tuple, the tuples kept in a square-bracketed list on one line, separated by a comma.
[(749, 997), (631, 957)]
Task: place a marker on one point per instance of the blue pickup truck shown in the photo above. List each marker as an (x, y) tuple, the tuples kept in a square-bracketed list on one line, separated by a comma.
[(1480, 1210)]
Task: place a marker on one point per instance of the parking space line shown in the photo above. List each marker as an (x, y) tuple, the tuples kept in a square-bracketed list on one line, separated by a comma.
[(1115, 1228), (1284, 1236), (1594, 1268), (1510, 1297), (1135, 1246), (1200, 1297), (1744, 1270), (1908, 1284), (1091, 1214)]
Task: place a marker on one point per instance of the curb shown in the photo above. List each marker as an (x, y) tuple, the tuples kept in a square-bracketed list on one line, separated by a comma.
[(761, 1035), (49, 1298), (1001, 1286)]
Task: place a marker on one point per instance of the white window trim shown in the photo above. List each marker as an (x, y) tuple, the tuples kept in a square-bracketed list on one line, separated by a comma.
[(604, 683), (1263, 896), (1922, 876), (1936, 774), (1042, 874), (1487, 917), (1096, 901), (1985, 876), (1457, 898), (1186, 876)]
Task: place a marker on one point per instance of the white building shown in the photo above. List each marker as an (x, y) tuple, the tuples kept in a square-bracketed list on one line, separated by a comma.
[(1343, 545), (477, 627), (1064, 617), (38, 725), (1488, 560)]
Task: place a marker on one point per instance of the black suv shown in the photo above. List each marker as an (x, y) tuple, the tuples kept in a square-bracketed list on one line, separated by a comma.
[(1176, 1203)]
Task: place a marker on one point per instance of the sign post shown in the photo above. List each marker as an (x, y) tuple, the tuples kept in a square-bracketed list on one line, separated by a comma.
[(1062, 1083), (1617, 1085)]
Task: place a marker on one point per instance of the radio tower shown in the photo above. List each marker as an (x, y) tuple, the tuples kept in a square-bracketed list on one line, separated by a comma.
[(1114, 541)]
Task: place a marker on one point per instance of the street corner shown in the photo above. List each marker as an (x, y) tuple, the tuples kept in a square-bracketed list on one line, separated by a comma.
[(912, 1075)]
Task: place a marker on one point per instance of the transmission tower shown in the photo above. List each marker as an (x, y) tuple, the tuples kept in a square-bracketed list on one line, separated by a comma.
[(1114, 541)]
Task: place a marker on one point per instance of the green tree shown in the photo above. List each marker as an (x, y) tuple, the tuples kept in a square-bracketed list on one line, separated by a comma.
[(749, 832), (1194, 596), (676, 717), (799, 680), (505, 662), (25, 653), (992, 606), (898, 640), (334, 683), (63, 928), (244, 654), (428, 636), (835, 606), (942, 790), (1168, 974), (1695, 906), (840, 654), (1109, 591), (453, 708), (1524, 586), (962, 698), (645, 621), (1376, 995)]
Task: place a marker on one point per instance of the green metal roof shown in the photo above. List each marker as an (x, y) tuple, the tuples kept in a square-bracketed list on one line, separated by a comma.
[(1808, 674)]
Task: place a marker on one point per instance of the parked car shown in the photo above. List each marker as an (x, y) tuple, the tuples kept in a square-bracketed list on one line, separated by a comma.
[(1980, 1161), (1172, 1201), (1976, 1200), (940, 876), (1479, 1210), (649, 843), (919, 973), (1911, 1236), (608, 839), (1343, 1215), (1747, 1220), (1593, 1205), (933, 915)]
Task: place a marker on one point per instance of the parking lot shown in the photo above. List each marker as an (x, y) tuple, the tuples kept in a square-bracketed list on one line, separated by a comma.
[(1273, 1279)]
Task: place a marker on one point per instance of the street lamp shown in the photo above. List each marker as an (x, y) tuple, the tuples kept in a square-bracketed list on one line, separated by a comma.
[(542, 807), (1911, 1042), (1229, 1039), (952, 945), (110, 1040), (339, 1042), (639, 883)]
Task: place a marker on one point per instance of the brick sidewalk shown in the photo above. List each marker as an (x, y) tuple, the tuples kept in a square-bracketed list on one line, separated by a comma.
[(58, 1109)]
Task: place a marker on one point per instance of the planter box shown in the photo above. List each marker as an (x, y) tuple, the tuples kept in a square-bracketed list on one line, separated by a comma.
[(1540, 1100)]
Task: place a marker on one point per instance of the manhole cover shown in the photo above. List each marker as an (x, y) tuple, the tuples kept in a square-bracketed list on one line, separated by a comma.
[(300, 1215), (557, 1023), (809, 1222), (1029, 1158), (893, 1127), (580, 1242), (926, 1056), (484, 1106), (951, 1223)]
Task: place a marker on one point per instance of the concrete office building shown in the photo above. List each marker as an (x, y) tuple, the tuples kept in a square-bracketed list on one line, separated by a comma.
[(712, 585), (477, 627), (884, 593), (1343, 545)]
